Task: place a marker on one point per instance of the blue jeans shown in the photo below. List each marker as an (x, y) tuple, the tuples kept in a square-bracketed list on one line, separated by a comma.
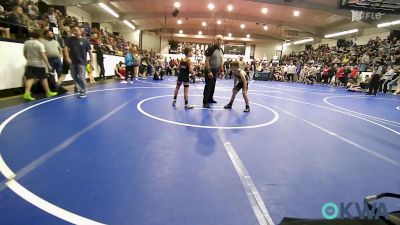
[(78, 73), (56, 64)]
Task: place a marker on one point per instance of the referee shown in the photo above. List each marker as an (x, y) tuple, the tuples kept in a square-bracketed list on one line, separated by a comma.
[(213, 65)]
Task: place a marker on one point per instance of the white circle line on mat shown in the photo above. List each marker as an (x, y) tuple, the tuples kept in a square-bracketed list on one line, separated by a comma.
[(29, 196), (274, 120)]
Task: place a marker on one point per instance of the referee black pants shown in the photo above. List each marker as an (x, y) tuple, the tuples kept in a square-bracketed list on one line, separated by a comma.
[(209, 88), (100, 62), (374, 84)]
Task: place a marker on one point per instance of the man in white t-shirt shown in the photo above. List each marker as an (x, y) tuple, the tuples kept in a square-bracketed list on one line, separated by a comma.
[(37, 62), (291, 70), (242, 63)]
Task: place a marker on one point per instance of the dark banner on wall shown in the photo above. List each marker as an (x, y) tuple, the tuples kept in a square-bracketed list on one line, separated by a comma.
[(177, 47), (235, 49)]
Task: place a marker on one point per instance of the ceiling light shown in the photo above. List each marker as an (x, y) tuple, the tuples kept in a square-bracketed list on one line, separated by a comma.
[(179, 21), (229, 35), (341, 33), (248, 36), (219, 22), (177, 4), (204, 24), (129, 24), (211, 6), (303, 41), (242, 26), (200, 33), (229, 7), (264, 10), (265, 27), (389, 24), (108, 9), (296, 13)]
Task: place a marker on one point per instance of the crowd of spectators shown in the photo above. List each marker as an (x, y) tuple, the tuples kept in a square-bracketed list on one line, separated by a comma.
[(341, 66), (20, 17), (371, 67), (366, 68)]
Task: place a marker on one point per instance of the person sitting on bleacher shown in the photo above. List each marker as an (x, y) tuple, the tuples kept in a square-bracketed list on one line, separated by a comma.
[(17, 20), (4, 30), (354, 74), (310, 79), (386, 78), (303, 74), (44, 22), (395, 82), (278, 74), (33, 10), (52, 17), (9, 5)]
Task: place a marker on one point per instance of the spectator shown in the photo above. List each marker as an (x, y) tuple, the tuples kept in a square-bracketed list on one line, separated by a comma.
[(158, 74), (9, 5), (129, 66), (44, 22), (365, 60), (99, 57), (32, 23), (76, 50), (52, 18), (325, 74), (395, 81), (386, 78), (4, 30), (146, 66), (16, 16), (118, 72), (17, 21), (33, 10), (291, 69), (54, 54), (37, 62), (242, 63), (354, 75)]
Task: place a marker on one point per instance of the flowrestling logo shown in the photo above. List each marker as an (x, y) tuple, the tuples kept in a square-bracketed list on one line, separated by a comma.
[(360, 15), (343, 210)]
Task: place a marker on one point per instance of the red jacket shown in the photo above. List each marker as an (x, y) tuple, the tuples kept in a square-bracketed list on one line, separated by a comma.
[(340, 72)]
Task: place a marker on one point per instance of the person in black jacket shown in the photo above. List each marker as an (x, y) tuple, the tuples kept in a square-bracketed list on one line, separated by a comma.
[(100, 59), (213, 67)]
